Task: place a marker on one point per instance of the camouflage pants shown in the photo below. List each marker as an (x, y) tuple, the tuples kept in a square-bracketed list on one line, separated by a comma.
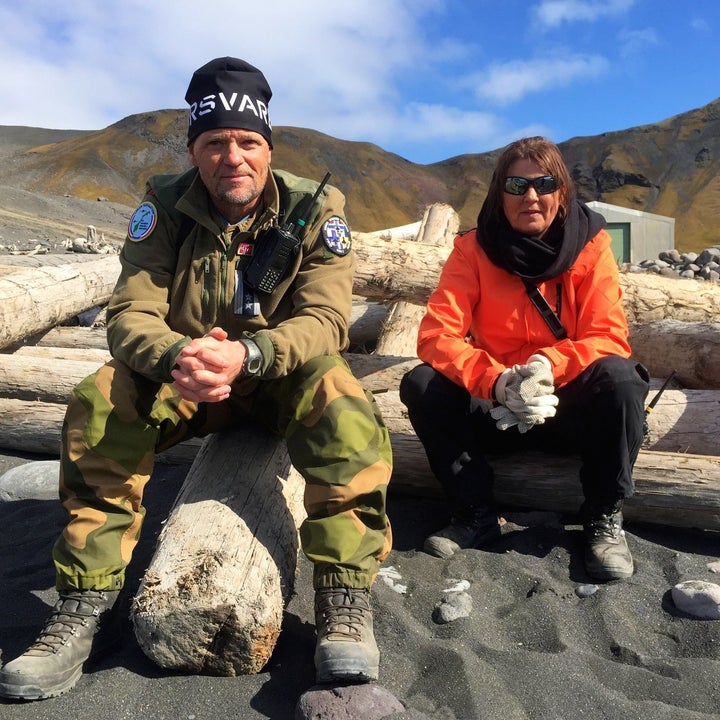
[(117, 420)]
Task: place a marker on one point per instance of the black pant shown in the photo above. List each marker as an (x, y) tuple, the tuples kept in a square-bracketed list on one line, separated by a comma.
[(600, 415)]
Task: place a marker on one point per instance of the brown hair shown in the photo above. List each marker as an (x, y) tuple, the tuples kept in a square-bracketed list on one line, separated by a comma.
[(548, 158)]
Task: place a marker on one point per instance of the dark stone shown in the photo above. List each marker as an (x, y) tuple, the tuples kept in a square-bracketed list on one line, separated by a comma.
[(348, 702)]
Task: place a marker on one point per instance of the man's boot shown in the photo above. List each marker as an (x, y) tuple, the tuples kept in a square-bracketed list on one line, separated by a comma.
[(607, 555), (53, 663), (474, 528), (346, 649)]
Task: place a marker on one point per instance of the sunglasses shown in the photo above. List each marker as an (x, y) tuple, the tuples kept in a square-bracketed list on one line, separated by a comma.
[(520, 185)]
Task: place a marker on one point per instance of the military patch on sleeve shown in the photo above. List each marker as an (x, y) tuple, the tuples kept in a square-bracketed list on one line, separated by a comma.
[(142, 222), (336, 235)]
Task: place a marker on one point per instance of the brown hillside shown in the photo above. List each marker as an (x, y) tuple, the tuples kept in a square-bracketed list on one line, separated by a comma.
[(669, 168)]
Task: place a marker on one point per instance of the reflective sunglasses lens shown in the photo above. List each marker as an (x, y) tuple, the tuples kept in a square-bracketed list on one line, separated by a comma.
[(545, 185), (516, 185)]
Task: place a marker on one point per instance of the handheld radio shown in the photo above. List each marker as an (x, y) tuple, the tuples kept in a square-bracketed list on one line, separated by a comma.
[(276, 247)]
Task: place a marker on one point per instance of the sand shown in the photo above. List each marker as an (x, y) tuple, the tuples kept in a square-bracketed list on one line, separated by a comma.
[(528, 648)]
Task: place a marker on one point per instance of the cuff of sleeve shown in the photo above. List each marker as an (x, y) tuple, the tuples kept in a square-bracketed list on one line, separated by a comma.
[(266, 347), (167, 360)]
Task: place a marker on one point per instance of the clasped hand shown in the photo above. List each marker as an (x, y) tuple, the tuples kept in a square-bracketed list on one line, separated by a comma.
[(206, 367), (527, 396)]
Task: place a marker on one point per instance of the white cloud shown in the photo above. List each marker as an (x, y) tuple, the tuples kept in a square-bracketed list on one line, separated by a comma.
[(555, 12), (636, 42), (701, 25), (509, 82), (86, 64)]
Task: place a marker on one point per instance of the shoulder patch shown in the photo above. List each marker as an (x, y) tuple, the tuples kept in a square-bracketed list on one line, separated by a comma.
[(336, 235), (142, 222)]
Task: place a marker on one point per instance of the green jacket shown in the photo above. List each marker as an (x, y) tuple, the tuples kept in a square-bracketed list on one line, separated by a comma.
[(173, 288)]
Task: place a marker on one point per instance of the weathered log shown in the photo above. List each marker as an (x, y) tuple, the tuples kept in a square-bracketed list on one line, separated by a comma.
[(35, 299), (213, 597), (389, 268), (682, 421), (73, 336), (649, 297), (399, 332), (677, 490), (76, 354), (691, 349), (34, 427), (399, 269), (366, 321), (395, 269), (49, 379)]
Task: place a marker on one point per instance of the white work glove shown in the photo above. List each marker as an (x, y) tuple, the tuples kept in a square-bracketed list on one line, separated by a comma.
[(509, 378), (534, 411), (508, 382), (537, 377), (504, 417), (524, 414), (526, 394)]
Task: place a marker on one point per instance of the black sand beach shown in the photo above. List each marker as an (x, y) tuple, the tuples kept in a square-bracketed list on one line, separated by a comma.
[(529, 647)]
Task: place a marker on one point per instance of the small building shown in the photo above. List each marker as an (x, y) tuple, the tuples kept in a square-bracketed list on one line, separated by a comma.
[(636, 235)]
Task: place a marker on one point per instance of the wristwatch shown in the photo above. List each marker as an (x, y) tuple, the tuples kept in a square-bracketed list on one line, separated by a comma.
[(253, 358)]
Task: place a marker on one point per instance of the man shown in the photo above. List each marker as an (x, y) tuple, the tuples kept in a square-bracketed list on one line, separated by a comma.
[(214, 319)]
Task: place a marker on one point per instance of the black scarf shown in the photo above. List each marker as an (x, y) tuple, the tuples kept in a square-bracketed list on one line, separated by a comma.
[(538, 259)]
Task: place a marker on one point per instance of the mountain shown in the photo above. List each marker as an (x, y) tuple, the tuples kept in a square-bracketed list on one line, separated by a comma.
[(668, 168)]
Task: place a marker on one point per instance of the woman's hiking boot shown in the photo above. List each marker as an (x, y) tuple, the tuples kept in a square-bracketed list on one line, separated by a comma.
[(607, 555), (479, 527)]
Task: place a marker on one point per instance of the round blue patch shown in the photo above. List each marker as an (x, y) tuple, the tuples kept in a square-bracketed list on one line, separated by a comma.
[(336, 235), (142, 222)]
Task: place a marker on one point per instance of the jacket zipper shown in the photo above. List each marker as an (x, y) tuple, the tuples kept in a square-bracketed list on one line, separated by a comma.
[(223, 281), (206, 291)]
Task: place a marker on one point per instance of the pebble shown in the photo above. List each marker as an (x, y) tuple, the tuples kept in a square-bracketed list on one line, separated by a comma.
[(454, 605), (583, 591), (347, 702), (698, 598), (31, 481), (673, 263), (714, 567)]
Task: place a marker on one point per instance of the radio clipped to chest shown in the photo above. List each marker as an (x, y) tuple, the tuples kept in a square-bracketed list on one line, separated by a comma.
[(276, 247)]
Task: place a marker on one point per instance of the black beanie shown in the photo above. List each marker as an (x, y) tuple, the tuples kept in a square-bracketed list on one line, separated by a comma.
[(228, 93)]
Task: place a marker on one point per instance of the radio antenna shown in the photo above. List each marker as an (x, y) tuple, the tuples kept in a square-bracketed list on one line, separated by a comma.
[(302, 220)]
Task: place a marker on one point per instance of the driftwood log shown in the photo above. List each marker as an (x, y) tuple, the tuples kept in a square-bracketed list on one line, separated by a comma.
[(396, 269), (666, 480), (691, 349), (213, 597), (682, 421), (35, 299), (398, 335)]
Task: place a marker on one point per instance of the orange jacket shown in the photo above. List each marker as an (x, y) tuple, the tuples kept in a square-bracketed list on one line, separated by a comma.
[(480, 319)]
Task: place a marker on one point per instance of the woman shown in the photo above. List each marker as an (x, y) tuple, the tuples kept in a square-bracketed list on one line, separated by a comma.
[(502, 373)]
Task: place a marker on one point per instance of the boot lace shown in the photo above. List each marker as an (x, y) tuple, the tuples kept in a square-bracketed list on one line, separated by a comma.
[(343, 612), (72, 612), (605, 526)]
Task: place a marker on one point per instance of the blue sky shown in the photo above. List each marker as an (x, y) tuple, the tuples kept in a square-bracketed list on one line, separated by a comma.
[(426, 79)]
